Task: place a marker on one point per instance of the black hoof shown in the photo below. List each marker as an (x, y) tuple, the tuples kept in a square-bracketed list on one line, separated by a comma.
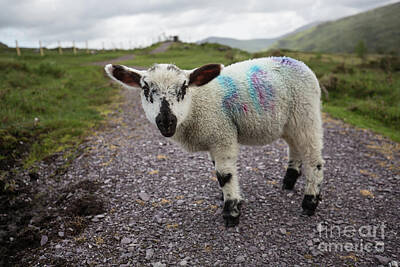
[(290, 178), (231, 221), (231, 212), (310, 204)]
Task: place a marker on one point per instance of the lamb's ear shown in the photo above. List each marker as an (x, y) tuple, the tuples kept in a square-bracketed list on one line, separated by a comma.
[(124, 75), (204, 74)]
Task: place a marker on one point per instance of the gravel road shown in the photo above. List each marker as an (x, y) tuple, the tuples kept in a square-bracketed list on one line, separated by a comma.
[(162, 48), (156, 205), (111, 61)]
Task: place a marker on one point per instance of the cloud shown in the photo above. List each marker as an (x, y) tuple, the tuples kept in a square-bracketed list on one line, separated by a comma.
[(143, 21), (358, 4)]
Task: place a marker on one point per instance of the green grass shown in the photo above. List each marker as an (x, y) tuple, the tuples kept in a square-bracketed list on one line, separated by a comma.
[(63, 93), (361, 121), (366, 97)]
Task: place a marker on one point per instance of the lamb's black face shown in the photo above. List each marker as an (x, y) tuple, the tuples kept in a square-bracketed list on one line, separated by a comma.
[(166, 121)]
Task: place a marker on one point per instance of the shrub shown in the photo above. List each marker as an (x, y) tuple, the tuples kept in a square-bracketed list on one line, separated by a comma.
[(330, 82), (390, 63), (50, 69), (276, 53), (341, 68), (387, 63), (361, 49), (6, 67)]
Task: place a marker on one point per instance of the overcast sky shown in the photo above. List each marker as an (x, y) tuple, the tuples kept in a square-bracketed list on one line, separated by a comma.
[(134, 22)]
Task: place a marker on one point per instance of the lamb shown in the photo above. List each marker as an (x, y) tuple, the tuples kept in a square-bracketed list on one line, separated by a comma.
[(215, 108)]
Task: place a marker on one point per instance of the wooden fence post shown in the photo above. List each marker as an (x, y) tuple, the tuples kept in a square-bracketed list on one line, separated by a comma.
[(59, 48), (73, 47), (102, 43), (17, 48), (41, 48)]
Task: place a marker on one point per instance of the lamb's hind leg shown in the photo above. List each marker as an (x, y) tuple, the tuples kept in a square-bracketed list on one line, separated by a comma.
[(307, 141), (313, 169), (225, 165), (293, 171), (313, 165)]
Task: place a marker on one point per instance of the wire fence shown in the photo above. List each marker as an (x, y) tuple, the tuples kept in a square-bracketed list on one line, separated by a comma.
[(88, 46)]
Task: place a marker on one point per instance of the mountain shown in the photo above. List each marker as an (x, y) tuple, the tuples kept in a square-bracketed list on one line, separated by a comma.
[(300, 29), (3, 45), (379, 29), (252, 45)]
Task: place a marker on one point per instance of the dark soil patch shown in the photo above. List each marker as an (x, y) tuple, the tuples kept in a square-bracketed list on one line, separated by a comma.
[(85, 185), (29, 237), (36, 209), (86, 205)]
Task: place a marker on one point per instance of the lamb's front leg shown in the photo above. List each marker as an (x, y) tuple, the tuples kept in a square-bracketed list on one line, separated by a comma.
[(225, 165)]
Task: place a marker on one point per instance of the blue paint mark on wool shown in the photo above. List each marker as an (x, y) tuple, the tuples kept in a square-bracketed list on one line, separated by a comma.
[(231, 101), (260, 89), (288, 61), (228, 83), (252, 89)]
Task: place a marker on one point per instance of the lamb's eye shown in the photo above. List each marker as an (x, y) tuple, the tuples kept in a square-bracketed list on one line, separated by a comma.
[(146, 92), (182, 92), (184, 86), (145, 86)]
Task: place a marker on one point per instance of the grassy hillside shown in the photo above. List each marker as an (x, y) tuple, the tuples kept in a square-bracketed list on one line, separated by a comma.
[(378, 28), (252, 45)]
